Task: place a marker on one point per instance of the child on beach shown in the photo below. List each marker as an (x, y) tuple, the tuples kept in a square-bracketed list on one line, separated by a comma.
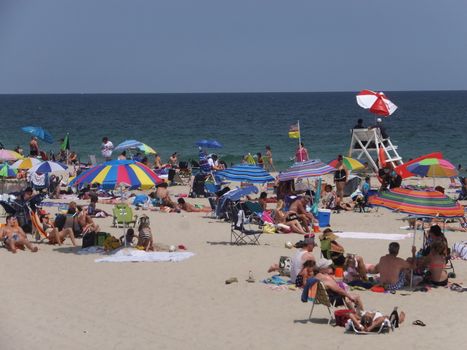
[(145, 238), (306, 272)]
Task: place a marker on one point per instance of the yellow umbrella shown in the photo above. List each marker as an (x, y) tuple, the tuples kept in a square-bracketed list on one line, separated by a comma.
[(26, 163), (349, 163)]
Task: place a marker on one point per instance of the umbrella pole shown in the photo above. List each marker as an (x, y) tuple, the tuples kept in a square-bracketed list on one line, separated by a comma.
[(413, 244)]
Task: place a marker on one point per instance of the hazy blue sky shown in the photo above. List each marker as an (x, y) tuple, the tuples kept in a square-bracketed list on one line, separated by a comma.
[(231, 46)]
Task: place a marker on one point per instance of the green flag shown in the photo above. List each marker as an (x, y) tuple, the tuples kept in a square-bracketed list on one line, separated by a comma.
[(65, 144)]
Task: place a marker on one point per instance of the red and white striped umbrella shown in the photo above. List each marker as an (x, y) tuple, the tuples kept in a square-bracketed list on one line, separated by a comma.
[(376, 102)]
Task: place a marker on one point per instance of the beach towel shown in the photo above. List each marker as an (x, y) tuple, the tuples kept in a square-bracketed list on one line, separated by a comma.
[(135, 255), (370, 235)]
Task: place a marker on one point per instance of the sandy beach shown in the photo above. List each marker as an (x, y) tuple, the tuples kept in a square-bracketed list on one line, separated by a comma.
[(58, 299)]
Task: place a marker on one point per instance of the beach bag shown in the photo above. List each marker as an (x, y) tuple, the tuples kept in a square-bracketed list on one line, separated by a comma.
[(460, 249), (89, 240), (101, 237), (285, 264), (342, 316), (111, 243)]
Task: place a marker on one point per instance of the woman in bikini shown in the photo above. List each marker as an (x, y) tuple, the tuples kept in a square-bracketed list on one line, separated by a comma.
[(287, 218), (340, 177), (436, 259), (53, 234), (14, 237)]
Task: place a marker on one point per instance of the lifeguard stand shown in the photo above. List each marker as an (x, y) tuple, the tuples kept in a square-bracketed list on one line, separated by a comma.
[(366, 143)]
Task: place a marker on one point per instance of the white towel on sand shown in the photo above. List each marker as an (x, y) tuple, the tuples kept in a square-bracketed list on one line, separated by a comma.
[(135, 255), (370, 235)]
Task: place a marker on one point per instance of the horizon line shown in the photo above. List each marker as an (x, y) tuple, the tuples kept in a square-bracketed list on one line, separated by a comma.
[(217, 92)]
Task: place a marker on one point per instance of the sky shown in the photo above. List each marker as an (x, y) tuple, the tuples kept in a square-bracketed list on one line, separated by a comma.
[(170, 46)]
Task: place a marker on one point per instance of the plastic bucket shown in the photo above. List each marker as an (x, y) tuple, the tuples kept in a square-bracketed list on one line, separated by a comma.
[(324, 217)]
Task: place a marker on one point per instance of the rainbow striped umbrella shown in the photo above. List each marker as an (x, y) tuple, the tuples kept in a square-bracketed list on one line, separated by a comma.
[(309, 168), (349, 163), (433, 167), (423, 203), (26, 163), (7, 171), (6, 154), (115, 172)]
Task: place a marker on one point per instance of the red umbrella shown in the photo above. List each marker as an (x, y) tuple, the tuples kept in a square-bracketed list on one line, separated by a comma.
[(376, 102)]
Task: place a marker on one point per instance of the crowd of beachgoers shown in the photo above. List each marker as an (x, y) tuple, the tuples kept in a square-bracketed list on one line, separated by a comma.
[(282, 207)]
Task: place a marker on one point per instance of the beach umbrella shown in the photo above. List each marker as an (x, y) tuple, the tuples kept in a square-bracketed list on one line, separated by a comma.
[(39, 132), (208, 144), (48, 167), (433, 167), (309, 168), (402, 171), (349, 163), (133, 144), (416, 202), (244, 172), (237, 193), (7, 171), (116, 172), (376, 102), (6, 155), (26, 163)]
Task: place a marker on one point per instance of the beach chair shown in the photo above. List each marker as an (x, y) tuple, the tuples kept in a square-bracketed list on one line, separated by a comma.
[(254, 212), (238, 233), (123, 216), (319, 296), (37, 230)]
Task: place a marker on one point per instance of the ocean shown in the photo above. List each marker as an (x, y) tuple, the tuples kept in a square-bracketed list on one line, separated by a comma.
[(243, 122)]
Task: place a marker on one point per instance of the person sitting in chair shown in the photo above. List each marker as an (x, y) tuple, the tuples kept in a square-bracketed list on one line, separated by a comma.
[(53, 234)]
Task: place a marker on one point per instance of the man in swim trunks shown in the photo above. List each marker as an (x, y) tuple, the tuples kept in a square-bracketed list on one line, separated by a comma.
[(393, 270), (14, 237)]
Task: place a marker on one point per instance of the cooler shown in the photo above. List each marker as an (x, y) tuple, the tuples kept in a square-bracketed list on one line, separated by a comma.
[(324, 217)]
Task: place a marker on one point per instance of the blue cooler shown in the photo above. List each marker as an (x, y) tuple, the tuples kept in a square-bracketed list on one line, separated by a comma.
[(324, 217)]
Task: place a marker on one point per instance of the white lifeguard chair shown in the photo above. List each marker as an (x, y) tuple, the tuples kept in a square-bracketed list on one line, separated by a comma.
[(366, 143)]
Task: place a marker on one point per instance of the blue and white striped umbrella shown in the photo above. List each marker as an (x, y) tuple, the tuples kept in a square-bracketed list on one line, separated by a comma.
[(244, 172), (48, 167), (310, 168)]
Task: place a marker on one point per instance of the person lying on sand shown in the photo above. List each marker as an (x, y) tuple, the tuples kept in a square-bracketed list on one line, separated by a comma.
[(53, 234), (337, 294), (184, 205), (394, 270), (368, 321), (14, 237)]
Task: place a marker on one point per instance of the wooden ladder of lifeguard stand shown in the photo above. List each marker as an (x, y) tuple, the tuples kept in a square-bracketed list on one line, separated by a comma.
[(366, 143)]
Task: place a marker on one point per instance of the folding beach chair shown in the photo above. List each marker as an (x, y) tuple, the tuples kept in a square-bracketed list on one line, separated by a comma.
[(319, 296), (37, 230), (386, 326), (238, 233), (123, 216), (253, 212)]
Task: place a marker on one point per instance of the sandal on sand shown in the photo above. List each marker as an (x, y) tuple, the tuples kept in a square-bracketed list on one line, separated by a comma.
[(394, 318), (231, 280), (457, 288), (418, 323)]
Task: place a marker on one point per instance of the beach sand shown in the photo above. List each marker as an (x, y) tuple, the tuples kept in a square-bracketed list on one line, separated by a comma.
[(57, 299)]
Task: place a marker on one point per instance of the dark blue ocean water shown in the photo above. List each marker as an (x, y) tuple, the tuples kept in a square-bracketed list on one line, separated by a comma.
[(425, 122)]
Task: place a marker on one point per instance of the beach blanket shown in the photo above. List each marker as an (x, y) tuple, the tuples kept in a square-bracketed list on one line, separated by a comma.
[(91, 250), (135, 255), (370, 235)]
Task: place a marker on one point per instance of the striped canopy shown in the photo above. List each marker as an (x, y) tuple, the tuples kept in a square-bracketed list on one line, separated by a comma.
[(7, 171), (424, 203), (133, 144), (309, 168), (48, 167), (244, 172), (115, 172), (349, 163)]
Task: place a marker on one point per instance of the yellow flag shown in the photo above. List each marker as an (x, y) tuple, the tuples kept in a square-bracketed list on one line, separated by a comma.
[(294, 132)]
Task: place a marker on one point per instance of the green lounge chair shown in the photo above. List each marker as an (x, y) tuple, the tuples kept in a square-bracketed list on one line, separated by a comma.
[(123, 215)]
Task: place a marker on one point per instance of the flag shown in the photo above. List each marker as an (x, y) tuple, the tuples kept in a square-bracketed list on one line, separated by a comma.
[(294, 132), (65, 144)]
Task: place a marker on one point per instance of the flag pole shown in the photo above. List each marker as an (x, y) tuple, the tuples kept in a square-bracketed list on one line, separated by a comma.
[(299, 134)]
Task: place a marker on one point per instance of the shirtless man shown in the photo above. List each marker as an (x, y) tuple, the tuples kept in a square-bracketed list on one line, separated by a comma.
[(191, 208), (85, 221), (163, 194), (14, 237), (299, 207), (392, 269), (337, 295)]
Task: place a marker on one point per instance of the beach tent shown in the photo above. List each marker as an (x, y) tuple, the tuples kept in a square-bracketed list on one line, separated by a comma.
[(244, 172), (310, 168), (110, 175)]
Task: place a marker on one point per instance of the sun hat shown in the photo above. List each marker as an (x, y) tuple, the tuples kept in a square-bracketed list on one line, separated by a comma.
[(323, 263), (328, 234)]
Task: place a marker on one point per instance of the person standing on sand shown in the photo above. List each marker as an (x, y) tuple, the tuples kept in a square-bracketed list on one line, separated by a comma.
[(268, 163), (33, 147), (301, 155), (107, 148), (340, 177)]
